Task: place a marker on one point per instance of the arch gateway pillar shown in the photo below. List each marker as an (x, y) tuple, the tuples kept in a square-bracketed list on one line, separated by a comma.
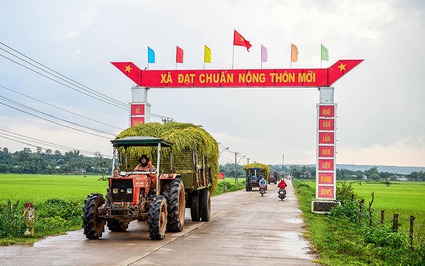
[(325, 152)]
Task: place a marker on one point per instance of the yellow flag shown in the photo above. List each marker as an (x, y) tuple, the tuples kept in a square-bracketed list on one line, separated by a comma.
[(207, 54), (294, 53)]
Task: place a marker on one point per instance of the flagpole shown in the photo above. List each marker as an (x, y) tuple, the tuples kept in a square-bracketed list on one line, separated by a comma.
[(320, 55)]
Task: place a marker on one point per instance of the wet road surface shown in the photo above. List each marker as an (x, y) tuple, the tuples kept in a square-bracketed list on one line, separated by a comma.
[(245, 229)]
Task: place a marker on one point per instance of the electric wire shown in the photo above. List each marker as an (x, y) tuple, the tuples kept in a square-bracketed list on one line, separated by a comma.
[(72, 82), (57, 123), (57, 107), (97, 95), (22, 139), (52, 116)]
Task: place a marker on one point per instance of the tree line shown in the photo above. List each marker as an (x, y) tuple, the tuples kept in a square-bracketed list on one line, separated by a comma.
[(73, 162), (52, 162), (309, 172)]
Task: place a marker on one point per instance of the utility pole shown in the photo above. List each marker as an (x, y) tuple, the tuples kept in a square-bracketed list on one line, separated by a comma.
[(247, 160), (236, 167), (283, 163)]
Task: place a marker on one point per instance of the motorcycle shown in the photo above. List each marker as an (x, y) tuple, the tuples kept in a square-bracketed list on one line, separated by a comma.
[(281, 194), (262, 191)]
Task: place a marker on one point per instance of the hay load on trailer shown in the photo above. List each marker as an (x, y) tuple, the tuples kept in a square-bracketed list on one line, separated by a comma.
[(193, 147), (158, 171), (254, 172)]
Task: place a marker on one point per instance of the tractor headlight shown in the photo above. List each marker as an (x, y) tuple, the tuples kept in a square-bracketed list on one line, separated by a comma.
[(115, 190), (129, 190)]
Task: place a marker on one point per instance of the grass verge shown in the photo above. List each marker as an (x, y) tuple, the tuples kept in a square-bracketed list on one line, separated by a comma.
[(340, 239)]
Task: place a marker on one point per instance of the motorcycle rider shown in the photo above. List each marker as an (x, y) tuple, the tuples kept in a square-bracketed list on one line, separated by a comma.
[(282, 184), (262, 183)]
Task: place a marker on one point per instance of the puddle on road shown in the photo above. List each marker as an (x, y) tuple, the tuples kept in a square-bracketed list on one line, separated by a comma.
[(294, 221), (296, 245)]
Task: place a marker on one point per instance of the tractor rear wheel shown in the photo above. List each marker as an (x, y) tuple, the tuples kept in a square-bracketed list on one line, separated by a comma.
[(194, 206), (117, 225), (205, 205), (157, 218), (176, 202), (93, 226)]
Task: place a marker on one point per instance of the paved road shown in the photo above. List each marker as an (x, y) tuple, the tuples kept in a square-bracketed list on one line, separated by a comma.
[(245, 229)]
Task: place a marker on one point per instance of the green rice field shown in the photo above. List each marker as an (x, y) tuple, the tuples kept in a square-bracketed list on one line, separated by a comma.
[(38, 188), (402, 198)]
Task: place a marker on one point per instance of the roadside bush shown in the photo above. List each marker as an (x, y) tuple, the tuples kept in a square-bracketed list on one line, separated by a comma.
[(12, 221), (344, 191), (55, 215), (51, 217)]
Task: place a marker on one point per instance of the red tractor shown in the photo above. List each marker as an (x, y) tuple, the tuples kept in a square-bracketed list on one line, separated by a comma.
[(158, 197)]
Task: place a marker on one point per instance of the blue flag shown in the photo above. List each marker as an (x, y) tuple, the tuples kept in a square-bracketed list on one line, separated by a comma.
[(151, 55)]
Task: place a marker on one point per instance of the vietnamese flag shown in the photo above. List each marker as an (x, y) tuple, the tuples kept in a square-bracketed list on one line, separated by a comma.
[(179, 55), (130, 70), (238, 40)]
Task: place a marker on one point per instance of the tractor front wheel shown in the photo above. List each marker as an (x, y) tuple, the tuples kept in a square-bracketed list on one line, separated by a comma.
[(157, 218), (93, 226), (176, 203)]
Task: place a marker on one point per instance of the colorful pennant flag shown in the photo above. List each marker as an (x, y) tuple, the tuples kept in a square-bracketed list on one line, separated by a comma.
[(151, 55), (324, 55), (238, 40), (207, 54), (264, 54), (179, 55), (294, 53)]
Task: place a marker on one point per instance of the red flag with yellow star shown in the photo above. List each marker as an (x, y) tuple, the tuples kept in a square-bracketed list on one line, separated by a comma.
[(130, 70), (238, 40)]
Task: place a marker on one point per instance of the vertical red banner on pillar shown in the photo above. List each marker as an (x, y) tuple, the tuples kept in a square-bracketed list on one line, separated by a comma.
[(326, 111), (137, 109), (326, 124), (326, 138), (326, 151), (325, 168), (326, 164), (326, 178), (137, 121), (326, 192)]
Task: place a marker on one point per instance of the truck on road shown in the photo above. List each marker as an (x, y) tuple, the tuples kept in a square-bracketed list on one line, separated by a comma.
[(254, 172)]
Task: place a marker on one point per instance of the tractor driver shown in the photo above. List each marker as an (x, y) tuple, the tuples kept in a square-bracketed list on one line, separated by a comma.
[(145, 165)]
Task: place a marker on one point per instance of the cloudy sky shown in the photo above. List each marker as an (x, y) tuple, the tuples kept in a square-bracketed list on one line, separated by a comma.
[(380, 102)]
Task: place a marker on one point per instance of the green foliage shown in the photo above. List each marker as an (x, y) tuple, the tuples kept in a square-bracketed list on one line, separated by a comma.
[(51, 217), (230, 186), (12, 222), (344, 191), (340, 239), (48, 162)]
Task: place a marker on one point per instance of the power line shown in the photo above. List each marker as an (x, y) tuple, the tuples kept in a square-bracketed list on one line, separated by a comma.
[(79, 87), (74, 85), (22, 139), (79, 130), (51, 105)]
